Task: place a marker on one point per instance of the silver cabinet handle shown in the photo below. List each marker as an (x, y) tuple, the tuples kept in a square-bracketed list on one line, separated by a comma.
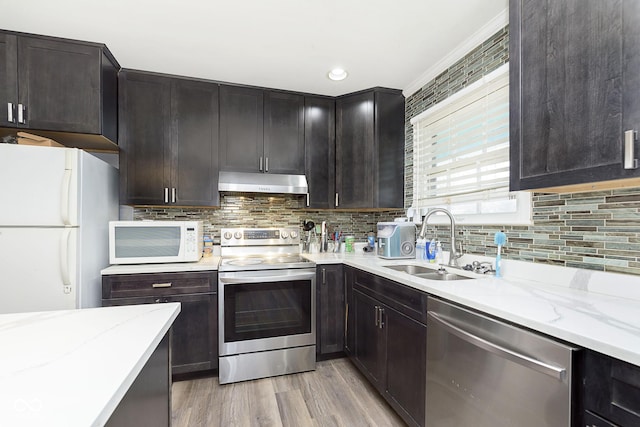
[(266, 164), (498, 350), (324, 276), (630, 137), (162, 285), (308, 200), (336, 199), (381, 321), (377, 310), (173, 194), (260, 164), (166, 194), (10, 117), (21, 114)]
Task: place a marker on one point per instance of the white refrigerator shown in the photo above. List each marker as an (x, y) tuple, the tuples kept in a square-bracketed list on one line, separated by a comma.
[(55, 205)]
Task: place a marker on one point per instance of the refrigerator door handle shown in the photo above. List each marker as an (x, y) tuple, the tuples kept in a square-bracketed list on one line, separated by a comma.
[(64, 257), (66, 190)]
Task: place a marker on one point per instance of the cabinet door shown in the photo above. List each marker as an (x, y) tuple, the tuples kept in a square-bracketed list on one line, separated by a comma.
[(284, 133), (8, 80), (573, 73), (349, 327), (59, 85), (368, 351), (330, 309), (612, 389), (389, 159), (194, 345), (354, 151), (194, 143), (194, 339), (144, 139), (320, 151), (406, 349), (241, 129)]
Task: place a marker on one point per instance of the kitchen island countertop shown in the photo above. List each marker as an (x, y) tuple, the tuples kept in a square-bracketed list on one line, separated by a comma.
[(73, 367)]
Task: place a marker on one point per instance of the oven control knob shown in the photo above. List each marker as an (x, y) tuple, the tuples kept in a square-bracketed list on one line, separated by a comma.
[(227, 235), (237, 235), (294, 234), (284, 234)]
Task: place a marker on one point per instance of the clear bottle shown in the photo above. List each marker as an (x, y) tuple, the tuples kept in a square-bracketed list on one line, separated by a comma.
[(439, 254), (420, 249)]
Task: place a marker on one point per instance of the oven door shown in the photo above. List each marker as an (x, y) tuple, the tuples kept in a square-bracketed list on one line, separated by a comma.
[(266, 310)]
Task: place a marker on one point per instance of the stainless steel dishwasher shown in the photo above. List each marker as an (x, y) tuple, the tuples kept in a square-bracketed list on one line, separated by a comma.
[(482, 372)]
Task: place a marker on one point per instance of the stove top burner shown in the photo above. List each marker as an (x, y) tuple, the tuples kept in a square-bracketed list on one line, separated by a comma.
[(237, 263)]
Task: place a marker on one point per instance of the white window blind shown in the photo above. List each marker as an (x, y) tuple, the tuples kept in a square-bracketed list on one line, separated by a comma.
[(461, 150)]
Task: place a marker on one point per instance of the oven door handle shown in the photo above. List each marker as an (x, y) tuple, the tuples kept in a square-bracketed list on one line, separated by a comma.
[(266, 278)]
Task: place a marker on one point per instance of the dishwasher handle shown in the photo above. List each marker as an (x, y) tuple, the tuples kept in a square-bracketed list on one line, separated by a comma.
[(526, 361)]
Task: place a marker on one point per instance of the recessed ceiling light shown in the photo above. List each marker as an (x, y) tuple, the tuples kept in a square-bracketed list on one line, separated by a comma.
[(337, 74)]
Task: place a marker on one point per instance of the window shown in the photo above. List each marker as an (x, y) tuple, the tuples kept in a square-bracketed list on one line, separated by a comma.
[(461, 156)]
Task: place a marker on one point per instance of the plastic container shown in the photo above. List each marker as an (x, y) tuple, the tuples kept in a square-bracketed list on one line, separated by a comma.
[(348, 243), (439, 253), (421, 245), (431, 251)]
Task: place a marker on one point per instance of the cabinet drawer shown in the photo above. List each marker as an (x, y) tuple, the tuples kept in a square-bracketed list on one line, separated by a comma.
[(612, 389), (406, 300), (154, 284)]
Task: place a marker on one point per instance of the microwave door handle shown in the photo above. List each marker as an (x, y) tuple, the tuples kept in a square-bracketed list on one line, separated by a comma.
[(498, 350), (262, 279)]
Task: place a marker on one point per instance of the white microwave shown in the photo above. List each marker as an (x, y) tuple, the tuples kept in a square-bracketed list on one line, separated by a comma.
[(146, 242)]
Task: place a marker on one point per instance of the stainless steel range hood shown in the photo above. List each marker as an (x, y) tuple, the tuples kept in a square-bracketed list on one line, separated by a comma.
[(262, 183)]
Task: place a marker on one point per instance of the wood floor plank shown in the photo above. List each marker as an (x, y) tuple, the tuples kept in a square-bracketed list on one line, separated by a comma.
[(293, 409), (365, 394), (335, 394), (263, 405)]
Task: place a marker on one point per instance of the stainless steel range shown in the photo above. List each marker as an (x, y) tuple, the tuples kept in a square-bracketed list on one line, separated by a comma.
[(267, 306)]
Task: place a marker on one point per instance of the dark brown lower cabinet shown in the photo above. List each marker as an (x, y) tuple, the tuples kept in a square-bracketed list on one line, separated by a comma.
[(330, 308), (611, 392), (390, 341), (194, 336)]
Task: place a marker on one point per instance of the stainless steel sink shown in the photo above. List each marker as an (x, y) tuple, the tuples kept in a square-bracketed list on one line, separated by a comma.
[(426, 273), (435, 275), (411, 269)]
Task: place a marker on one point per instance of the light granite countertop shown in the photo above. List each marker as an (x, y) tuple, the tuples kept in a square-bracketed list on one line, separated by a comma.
[(73, 367), (595, 310)]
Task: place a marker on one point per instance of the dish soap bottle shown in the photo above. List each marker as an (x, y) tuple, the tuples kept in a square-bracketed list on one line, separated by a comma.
[(431, 250)]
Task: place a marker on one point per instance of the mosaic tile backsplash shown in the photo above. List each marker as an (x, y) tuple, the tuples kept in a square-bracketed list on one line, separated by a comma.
[(262, 210), (597, 230)]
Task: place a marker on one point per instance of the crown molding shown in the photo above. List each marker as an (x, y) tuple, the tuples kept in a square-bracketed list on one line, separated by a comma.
[(486, 31)]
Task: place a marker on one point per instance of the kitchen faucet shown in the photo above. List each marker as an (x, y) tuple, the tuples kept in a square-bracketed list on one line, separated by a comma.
[(454, 254)]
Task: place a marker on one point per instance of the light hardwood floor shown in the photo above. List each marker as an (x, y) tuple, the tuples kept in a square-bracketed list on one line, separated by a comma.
[(335, 394)]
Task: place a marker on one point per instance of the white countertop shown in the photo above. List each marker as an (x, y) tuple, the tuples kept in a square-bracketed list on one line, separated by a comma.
[(592, 309), (73, 367), (205, 264)]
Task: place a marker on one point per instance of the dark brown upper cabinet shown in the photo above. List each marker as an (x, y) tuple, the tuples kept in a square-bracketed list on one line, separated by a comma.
[(261, 131), (574, 87), (168, 140), (370, 149), (320, 151), (63, 89)]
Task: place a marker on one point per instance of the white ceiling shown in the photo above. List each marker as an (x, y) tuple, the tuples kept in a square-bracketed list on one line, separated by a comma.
[(285, 44)]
